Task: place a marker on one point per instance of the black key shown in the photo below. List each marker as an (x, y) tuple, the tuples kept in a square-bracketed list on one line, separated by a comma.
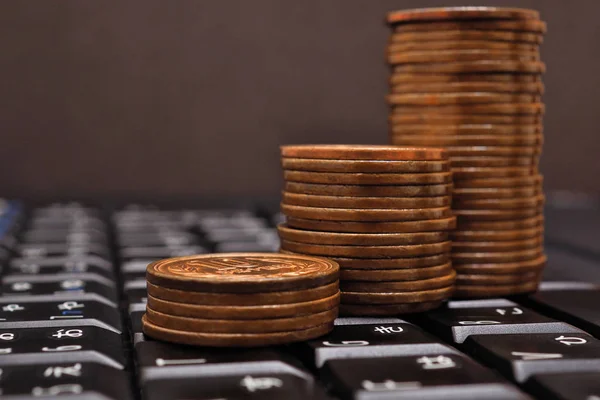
[(488, 317), (135, 270), (155, 253), (157, 239), (70, 344), (520, 356), (433, 376), (58, 265), (135, 321), (389, 337), (48, 311), (249, 246), (79, 235), (577, 307), (37, 251), (565, 386), (70, 379), (59, 285), (136, 293)]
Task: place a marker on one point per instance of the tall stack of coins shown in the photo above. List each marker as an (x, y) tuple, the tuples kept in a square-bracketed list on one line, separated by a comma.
[(241, 299), (382, 213), (469, 79)]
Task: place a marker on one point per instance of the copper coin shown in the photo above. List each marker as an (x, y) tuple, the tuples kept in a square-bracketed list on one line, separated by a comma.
[(386, 275), (462, 87), (248, 312), (364, 215), (467, 140), (356, 310), (413, 265), (496, 215), (493, 162), (444, 45), (500, 204), (435, 99), (492, 151), (430, 119), (413, 78), (498, 257), (502, 182), (438, 56), (374, 227), (498, 279), (369, 190), (298, 199), (363, 152), (466, 129), (527, 25), (367, 251), (512, 66), (364, 166), (518, 267), (459, 13), (342, 178), (242, 272), (459, 174), (240, 326), (480, 291), (399, 286), (494, 108), (396, 297), (360, 239), (243, 299), (521, 223), (469, 194), (508, 245), (457, 34), (492, 236), (233, 339)]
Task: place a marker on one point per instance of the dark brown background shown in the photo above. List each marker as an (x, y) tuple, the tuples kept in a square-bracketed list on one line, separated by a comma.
[(157, 99)]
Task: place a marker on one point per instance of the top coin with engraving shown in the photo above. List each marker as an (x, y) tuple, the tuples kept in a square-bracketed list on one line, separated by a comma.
[(363, 152), (242, 272), (458, 13)]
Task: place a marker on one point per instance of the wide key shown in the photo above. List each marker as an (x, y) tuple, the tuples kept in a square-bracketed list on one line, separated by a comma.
[(58, 265), (565, 386)]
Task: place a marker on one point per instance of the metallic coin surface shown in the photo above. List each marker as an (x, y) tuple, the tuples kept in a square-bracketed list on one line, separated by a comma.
[(357, 310), (386, 275), (445, 45), (521, 223), (493, 162), (414, 78), (492, 151), (363, 152), (373, 227), (367, 251), (496, 215), (395, 286), (459, 173), (396, 297), (518, 267), (363, 166), (497, 279), (242, 272), (364, 215), (462, 87), (471, 34), (460, 13), (467, 140), (466, 129), (496, 257), (435, 99), (438, 56), (492, 236), (369, 190), (434, 119), (526, 25), (309, 200), (482, 291), (343, 178), (500, 204), (503, 182), (468, 194), (458, 67), (534, 109), (509, 245)]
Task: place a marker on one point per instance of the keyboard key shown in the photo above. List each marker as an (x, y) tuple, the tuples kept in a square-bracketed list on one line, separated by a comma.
[(565, 386), (35, 250), (488, 317), (71, 344), (520, 356), (433, 376), (155, 253), (369, 340), (70, 379), (58, 265)]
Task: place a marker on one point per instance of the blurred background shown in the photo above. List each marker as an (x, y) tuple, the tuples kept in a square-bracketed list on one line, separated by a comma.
[(149, 100)]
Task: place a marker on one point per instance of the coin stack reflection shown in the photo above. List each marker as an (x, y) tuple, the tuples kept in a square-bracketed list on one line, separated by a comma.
[(382, 213), (469, 80), (241, 299)]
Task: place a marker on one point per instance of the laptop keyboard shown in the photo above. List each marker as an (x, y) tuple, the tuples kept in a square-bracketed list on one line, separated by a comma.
[(73, 293)]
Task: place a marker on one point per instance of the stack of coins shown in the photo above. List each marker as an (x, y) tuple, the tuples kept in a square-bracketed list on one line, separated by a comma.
[(382, 213), (241, 299), (469, 79)]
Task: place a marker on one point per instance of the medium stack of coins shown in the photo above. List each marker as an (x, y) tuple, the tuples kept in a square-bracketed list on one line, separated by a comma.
[(241, 299), (469, 79), (382, 213)]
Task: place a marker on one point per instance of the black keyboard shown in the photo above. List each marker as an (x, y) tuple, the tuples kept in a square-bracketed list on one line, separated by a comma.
[(73, 292)]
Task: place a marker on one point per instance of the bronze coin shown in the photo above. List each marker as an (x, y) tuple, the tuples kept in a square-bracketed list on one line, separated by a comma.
[(242, 272), (492, 151), (309, 200), (460, 13), (500, 204), (469, 194), (364, 215), (413, 78), (496, 215), (360, 239), (399, 286), (445, 45), (519, 181), (233, 339), (508, 245), (518, 267), (342, 178), (498, 279), (396, 297), (439, 56), (461, 109), (457, 67), (240, 326), (363, 152), (363, 166), (248, 312), (356, 310), (462, 87), (367, 251), (431, 119), (496, 257), (457, 34), (414, 265), (493, 162), (386, 275), (243, 299), (369, 190), (435, 99), (492, 236), (466, 130), (521, 223), (373, 227), (526, 25), (459, 174), (467, 140), (481, 291)]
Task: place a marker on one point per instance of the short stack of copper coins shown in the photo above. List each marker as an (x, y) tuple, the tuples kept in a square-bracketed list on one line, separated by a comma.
[(382, 213), (469, 80), (241, 299)]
